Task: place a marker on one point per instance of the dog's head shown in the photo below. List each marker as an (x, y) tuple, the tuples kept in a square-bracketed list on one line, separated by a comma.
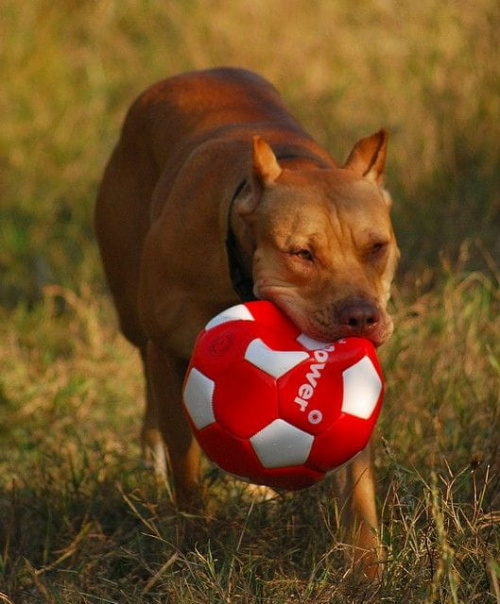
[(322, 242)]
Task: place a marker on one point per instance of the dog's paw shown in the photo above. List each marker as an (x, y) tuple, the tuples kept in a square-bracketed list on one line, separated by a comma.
[(257, 493), (153, 453)]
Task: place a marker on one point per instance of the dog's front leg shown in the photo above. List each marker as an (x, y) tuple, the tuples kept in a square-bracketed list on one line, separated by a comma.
[(356, 492), (166, 373)]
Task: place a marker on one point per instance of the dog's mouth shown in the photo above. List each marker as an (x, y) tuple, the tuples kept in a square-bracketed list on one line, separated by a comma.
[(376, 334), (355, 316), (351, 317)]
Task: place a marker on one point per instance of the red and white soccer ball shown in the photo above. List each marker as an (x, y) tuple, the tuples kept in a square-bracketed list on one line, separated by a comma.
[(274, 407)]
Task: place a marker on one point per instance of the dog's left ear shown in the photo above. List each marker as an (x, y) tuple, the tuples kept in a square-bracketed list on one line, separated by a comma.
[(368, 157)]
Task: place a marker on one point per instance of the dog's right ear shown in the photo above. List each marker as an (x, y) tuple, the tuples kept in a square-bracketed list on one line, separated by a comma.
[(265, 171), (266, 168)]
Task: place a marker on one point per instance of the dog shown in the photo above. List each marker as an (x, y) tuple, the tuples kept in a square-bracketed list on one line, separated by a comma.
[(215, 194)]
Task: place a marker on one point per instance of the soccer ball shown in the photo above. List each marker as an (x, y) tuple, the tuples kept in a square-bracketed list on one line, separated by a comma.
[(274, 407)]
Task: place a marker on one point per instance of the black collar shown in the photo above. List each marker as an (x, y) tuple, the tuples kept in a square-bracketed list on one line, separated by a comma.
[(241, 280)]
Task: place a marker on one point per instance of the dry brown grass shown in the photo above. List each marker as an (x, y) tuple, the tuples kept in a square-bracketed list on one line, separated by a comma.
[(79, 520)]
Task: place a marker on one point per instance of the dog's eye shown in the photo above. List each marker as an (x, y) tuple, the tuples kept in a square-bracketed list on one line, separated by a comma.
[(303, 254), (378, 248)]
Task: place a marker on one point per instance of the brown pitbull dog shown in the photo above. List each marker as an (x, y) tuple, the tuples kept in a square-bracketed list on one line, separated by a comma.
[(215, 194)]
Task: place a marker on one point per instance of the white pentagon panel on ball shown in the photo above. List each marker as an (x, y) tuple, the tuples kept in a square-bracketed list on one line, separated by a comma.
[(274, 362), (235, 313), (198, 398), (362, 388), (310, 343), (280, 445)]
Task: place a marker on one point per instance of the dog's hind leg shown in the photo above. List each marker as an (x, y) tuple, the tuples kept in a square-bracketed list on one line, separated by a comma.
[(153, 450)]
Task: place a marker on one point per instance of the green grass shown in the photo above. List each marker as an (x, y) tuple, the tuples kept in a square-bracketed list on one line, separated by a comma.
[(80, 520)]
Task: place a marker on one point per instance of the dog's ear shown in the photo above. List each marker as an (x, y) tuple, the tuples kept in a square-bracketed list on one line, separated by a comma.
[(265, 171), (368, 157), (266, 168)]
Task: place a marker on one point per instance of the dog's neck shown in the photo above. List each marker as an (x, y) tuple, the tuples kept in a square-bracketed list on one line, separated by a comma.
[(239, 254)]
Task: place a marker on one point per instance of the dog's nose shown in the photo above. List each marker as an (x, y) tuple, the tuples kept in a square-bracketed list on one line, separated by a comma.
[(358, 316)]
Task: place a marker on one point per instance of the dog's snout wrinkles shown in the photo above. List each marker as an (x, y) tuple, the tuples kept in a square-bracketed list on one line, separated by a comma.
[(358, 316)]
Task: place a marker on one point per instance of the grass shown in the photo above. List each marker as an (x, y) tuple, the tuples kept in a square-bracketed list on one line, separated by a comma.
[(80, 521)]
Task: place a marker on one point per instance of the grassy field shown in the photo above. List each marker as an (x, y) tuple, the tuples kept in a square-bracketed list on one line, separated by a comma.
[(80, 520)]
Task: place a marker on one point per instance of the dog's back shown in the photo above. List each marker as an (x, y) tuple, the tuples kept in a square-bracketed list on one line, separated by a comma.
[(164, 128)]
